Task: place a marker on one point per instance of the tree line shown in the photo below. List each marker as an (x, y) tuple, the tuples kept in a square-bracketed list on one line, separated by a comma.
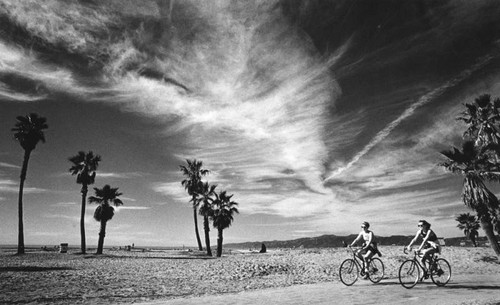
[(217, 207)]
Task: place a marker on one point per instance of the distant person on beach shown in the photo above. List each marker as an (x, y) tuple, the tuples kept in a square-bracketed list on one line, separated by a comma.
[(430, 244), (369, 247)]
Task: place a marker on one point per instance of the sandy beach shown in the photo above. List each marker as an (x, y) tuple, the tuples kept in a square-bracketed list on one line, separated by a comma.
[(153, 276)]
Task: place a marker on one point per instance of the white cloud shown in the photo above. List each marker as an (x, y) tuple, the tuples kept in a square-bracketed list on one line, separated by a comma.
[(10, 186), (118, 175), (8, 165), (132, 208), (68, 203), (172, 190), (72, 218)]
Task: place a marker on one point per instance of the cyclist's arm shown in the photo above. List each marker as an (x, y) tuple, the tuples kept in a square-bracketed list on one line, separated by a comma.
[(413, 240), (356, 240), (425, 239)]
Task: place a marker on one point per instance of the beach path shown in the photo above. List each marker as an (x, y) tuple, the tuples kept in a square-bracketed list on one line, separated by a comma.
[(462, 289)]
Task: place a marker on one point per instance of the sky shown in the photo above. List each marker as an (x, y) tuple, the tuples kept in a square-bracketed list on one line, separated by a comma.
[(316, 115)]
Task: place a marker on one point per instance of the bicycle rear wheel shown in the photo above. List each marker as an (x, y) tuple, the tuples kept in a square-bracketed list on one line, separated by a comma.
[(442, 272), (376, 270), (348, 272), (409, 274)]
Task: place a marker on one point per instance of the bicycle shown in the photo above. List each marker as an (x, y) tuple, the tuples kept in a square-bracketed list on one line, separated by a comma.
[(412, 271), (352, 268)]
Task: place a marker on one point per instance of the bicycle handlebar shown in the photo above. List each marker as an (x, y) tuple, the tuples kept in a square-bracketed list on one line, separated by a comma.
[(407, 252)]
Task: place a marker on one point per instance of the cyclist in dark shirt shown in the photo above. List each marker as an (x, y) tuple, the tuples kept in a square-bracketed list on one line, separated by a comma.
[(430, 244)]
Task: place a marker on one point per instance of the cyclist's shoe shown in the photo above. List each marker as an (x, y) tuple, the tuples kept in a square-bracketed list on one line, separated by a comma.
[(364, 274), (424, 276), (439, 272)]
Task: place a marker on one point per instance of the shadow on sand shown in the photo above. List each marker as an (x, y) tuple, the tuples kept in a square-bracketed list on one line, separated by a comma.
[(385, 282), (32, 269), (473, 287), (448, 286)]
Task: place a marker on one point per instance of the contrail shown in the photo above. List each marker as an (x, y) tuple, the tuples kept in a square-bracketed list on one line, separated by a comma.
[(410, 110)]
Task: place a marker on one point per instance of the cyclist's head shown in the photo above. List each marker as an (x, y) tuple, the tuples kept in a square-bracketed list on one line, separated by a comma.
[(424, 224), (365, 224)]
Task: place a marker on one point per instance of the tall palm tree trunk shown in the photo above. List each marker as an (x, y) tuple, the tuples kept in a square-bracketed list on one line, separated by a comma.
[(20, 238), (102, 234), (83, 244), (488, 230), (219, 243), (197, 232), (206, 226)]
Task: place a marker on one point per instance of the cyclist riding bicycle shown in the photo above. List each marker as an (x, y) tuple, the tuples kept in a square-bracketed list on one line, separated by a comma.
[(369, 248), (429, 246)]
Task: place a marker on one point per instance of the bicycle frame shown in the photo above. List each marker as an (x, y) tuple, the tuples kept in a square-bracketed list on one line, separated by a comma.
[(417, 254), (359, 261)]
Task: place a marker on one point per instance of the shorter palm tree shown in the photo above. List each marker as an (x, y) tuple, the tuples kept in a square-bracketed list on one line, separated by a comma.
[(223, 210), (104, 212), (28, 131), (469, 224), (204, 202)]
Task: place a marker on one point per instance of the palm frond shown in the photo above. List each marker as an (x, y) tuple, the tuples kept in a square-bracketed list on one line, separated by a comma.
[(29, 130)]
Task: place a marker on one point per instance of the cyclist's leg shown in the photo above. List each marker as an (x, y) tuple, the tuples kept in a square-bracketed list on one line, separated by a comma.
[(424, 258), (431, 257), (360, 253), (367, 257)]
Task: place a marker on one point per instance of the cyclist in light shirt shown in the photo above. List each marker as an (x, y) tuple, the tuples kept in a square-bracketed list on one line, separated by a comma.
[(369, 248)]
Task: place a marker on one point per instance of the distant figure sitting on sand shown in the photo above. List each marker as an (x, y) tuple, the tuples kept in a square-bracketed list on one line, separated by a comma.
[(430, 244), (263, 249), (369, 247)]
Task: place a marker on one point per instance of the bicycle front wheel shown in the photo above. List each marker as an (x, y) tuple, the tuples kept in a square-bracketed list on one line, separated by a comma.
[(409, 274), (376, 270), (442, 272), (348, 272)]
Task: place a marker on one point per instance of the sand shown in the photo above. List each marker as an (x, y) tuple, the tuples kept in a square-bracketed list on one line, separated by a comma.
[(133, 277)]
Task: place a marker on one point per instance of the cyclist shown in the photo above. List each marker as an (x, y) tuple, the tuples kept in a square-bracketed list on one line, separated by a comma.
[(369, 248), (429, 246)]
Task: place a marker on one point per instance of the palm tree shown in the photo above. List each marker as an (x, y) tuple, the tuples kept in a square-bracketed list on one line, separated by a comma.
[(28, 131), (483, 119), (104, 211), (476, 166), (205, 202), (469, 224), (223, 211), (84, 167), (193, 172)]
